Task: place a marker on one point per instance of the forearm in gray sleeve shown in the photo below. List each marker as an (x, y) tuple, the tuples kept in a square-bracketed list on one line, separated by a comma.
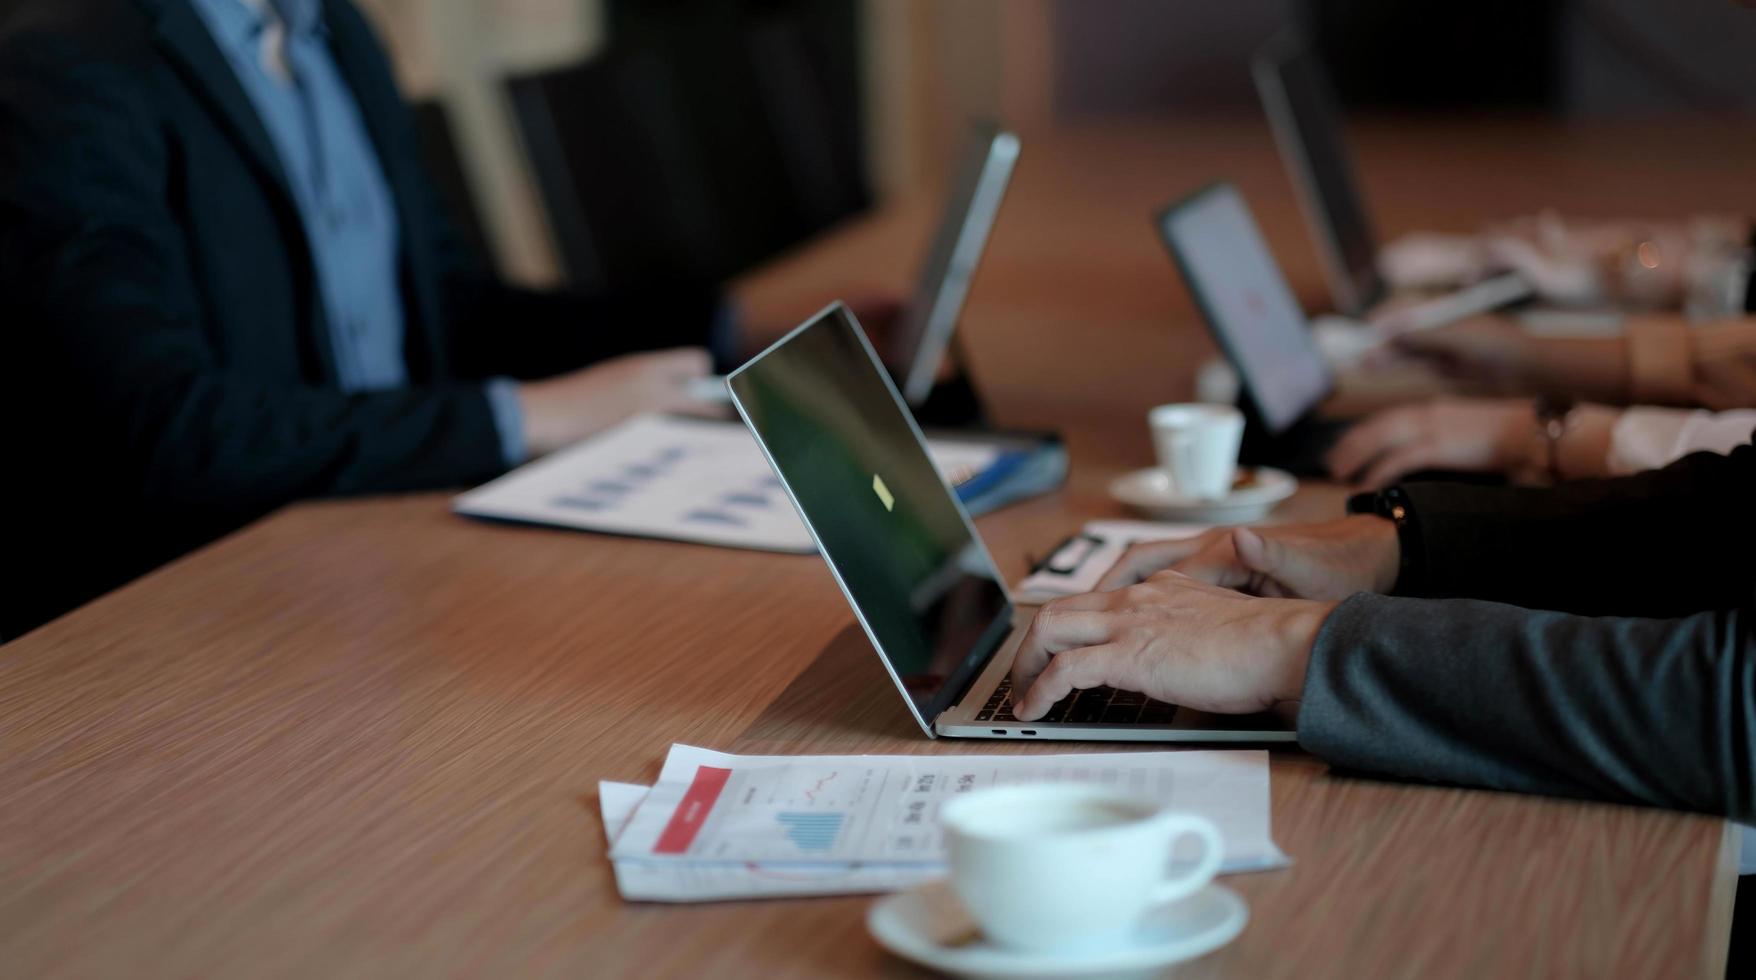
[(1477, 693)]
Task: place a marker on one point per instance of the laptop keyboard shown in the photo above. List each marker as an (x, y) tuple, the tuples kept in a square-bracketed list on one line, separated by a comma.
[(1097, 705)]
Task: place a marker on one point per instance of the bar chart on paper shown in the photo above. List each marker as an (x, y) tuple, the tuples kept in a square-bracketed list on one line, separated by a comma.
[(832, 815), (726, 826), (780, 813), (813, 833), (685, 479), (688, 479)]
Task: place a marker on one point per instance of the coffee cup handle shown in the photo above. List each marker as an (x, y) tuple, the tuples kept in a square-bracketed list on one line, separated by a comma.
[(1206, 866)]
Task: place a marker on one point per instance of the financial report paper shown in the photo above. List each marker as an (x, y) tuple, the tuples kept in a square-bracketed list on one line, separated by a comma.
[(720, 881), (662, 476), (724, 826)]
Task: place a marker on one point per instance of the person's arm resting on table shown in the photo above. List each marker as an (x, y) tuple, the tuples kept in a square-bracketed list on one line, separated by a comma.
[(94, 258), (561, 365), (1661, 359), (1664, 543), (1509, 436), (89, 248)]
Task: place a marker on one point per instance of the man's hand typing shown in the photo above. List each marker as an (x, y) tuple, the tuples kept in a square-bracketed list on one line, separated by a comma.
[(1173, 638), (1332, 560)]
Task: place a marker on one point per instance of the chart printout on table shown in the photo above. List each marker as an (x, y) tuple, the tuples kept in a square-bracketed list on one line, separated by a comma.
[(684, 479), (710, 807)]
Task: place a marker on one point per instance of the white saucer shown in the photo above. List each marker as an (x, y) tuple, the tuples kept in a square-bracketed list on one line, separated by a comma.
[(929, 926), (1150, 490)]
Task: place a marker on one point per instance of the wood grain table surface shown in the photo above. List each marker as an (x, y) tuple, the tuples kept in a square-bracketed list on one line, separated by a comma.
[(362, 738)]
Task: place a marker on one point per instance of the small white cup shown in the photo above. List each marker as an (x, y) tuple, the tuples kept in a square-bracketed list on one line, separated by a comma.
[(1060, 867), (1198, 447)]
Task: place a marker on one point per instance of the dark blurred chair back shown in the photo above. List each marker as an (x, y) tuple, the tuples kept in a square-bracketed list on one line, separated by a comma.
[(696, 155), (822, 163), (618, 171), (444, 166)]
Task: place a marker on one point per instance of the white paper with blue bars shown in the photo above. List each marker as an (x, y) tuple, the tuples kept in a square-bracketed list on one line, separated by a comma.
[(719, 826), (666, 477)]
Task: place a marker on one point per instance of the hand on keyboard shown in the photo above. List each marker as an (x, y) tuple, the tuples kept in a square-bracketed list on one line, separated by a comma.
[(1097, 705)]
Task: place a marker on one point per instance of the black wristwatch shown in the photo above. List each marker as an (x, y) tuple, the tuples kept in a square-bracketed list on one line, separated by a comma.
[(1553, 419), (1394, 506)]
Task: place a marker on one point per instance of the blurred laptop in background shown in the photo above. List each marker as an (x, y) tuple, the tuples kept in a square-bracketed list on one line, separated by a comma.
[(1308, 132)]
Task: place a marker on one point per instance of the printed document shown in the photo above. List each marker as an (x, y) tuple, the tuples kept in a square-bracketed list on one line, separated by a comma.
[(642, 881), (662, 476), (726, 826)]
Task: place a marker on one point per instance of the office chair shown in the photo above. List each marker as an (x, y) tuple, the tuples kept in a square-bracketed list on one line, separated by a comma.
[(620, 171), (683, 158), (444, 165)]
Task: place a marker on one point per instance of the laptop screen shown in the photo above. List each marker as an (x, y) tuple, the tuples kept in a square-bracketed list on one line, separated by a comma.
[(899, 543), (971, 208), (1252, 312), (1301, 109)]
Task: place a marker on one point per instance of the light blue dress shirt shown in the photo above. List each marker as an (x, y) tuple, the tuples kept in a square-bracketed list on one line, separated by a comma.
[(343, 197)]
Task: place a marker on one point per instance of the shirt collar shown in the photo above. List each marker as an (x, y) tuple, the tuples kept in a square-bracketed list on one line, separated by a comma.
[(231, 23), (238, 23), (302, 17)]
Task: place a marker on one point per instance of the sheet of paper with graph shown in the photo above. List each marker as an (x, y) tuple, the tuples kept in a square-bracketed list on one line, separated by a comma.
[(719, 881), (726, 826), (667, 477)]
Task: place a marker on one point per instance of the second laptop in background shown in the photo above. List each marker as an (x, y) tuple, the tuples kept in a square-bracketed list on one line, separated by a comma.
[(916, 350), (1308, 132), (1259, 327)]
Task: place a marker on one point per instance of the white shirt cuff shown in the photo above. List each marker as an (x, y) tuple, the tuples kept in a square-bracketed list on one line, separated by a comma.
[(1652, 438)]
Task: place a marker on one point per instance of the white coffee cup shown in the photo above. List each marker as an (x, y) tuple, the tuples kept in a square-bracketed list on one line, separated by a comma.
[(1198, 447), (1063, 867)]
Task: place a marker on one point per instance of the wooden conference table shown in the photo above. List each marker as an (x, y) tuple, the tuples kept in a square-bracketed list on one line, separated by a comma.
[(362, 738)]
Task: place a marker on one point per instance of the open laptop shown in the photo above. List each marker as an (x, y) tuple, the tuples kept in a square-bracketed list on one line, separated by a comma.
[(1259, 327), (972, 206), (840, 438), (916, 350), (1307, 130)]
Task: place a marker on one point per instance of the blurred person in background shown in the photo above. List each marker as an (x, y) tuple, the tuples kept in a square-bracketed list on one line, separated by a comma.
[(1657, 359), (1701, 266), (1529, 441), (1703, 356), (228, 285)]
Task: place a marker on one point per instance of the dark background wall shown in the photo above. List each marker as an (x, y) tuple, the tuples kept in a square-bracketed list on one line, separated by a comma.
[(1575, 57)]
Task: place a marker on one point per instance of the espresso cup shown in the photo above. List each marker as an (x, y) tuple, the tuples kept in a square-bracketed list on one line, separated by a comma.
[(1198, 447), (1066, 867)]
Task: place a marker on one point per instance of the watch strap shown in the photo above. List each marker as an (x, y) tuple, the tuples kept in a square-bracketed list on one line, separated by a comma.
[(1393, 504)]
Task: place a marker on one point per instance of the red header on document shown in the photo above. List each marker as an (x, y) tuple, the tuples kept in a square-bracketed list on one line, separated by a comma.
[(692, 812)]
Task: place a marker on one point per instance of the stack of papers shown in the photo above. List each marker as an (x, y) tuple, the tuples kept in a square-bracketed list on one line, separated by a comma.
[(666, 477), (720, 826)]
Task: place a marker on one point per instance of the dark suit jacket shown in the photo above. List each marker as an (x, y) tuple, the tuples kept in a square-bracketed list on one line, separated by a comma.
[(1639, 686), (167, 374)]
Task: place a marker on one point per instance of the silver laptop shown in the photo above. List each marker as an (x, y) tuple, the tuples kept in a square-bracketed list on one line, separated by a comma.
[(840, 438), (916, 349), (1248, 306), (978, 185), (1308, 132)]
